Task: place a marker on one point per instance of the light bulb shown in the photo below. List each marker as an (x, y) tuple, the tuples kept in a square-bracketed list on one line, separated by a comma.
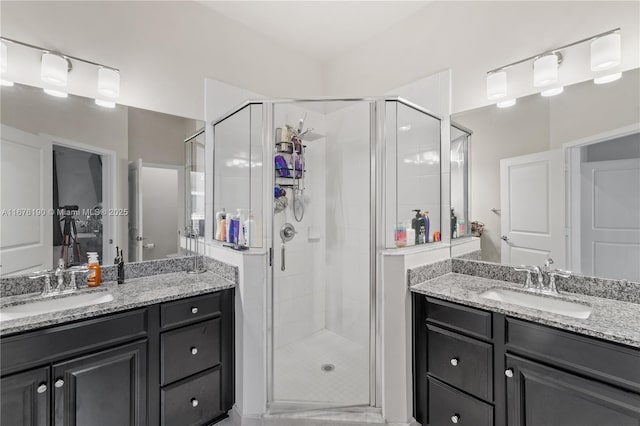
[(607, 78), (506, 104), (552, 92)]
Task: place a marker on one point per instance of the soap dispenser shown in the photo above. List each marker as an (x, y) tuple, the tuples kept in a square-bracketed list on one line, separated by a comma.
[(418, 226)]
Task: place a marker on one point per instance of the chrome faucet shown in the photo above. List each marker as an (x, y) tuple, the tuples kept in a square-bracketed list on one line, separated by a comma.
[(540, 271)]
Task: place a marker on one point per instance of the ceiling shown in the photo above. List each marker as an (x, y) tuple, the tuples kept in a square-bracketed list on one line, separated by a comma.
[(320, 30)]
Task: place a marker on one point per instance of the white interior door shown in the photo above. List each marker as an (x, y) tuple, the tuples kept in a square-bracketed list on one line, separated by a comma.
[(26, 201), (610, 219), (135, 211), (532, 209)]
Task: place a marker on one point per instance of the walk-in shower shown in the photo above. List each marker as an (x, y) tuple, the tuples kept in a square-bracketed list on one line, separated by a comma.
[(323, 186)]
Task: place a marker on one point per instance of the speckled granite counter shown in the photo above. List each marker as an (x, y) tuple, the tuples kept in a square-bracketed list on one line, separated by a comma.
[(611, 320), (136, 292)]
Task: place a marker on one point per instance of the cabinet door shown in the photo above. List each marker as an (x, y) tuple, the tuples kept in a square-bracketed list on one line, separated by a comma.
[(25, 398), (106, 388), (542, 396)]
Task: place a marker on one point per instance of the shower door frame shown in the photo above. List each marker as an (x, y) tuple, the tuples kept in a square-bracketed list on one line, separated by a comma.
[(377, 124), (375, 371)]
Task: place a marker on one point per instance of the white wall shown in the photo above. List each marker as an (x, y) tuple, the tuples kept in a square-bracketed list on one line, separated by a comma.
[(474, 37), (164, 49)]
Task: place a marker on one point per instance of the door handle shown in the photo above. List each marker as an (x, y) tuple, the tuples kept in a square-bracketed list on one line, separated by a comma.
[(505, 238), (282, 266)]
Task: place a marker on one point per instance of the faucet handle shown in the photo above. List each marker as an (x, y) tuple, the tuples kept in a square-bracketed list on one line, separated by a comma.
[(559, 273), (41, 274), (552, 278), (529, 270)]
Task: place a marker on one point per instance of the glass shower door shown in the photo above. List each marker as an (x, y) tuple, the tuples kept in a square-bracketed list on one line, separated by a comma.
[(321, 282)]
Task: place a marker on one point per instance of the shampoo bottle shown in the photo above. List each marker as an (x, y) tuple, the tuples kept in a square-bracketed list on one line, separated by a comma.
[(219, 217), (454, 225), (425, 218), (417, 224)]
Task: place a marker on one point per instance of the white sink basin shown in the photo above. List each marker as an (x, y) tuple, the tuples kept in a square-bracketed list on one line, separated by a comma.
[(54, 304), (543, 303)]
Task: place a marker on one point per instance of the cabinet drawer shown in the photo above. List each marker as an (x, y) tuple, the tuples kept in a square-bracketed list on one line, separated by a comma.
[(461, 362), (609, 362), (192, 402), (448, 406), (189, 310), (25, 350), (190, 349), (468, 320)]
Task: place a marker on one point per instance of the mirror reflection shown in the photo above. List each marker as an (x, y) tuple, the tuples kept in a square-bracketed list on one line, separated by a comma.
[(559, 177), (77, 177)]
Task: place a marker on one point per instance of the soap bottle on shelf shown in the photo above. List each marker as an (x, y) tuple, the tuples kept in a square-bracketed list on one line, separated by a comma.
[(220, 216), (411, 234), (417, 223), (425, 218), (401, 235), (94, 276), (454, 225)]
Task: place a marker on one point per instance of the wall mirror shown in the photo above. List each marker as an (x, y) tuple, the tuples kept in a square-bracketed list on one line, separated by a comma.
[(559, 177), (77, 177)]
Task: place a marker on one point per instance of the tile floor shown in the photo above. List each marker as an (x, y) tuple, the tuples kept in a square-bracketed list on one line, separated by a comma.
[(298, 376)]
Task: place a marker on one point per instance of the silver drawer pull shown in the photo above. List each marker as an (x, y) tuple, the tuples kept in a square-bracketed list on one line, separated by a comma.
[(455, 418), (194, 310), (42, 388), (508, 372), (194, 402), (454, 361), (59, 383), (194, 350)]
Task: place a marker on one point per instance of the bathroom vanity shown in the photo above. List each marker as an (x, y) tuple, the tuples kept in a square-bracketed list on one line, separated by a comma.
[(484, 364), (162, 353)]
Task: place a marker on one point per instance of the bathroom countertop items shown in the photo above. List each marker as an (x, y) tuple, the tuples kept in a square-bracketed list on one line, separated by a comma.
[(612, 320), (135, 293)]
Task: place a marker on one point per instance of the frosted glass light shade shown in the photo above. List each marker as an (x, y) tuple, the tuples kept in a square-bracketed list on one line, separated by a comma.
[(605, 52), (506, 104), (105, 104), (108, 82), (607, 78), (545, 70), (54, 69), (497, 85), (552, 92), (3, 57)]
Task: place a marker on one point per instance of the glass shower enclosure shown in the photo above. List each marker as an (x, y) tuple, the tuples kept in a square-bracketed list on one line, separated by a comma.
[(320, 186)]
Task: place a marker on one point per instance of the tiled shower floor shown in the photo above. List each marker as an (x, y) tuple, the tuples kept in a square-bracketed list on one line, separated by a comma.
[(298, 375)]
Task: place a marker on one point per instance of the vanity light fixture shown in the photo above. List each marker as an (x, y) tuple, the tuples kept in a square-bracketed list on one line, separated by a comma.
[(607, 78), (545, 69), (506, 104), (55, 68), (552, 92), (56, 93), (605, 52), (497, 85), (605, 55), (105, 104), (109, 82)]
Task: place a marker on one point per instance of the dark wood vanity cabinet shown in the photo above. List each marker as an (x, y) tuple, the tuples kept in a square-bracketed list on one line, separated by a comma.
[(474, 367), (169, 364)]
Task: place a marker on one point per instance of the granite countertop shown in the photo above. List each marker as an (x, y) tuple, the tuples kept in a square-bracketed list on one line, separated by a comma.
[(134, 293), (611, 320)]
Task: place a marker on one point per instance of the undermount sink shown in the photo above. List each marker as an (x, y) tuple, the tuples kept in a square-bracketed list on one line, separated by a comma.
[(43, 306), (543, 303)]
